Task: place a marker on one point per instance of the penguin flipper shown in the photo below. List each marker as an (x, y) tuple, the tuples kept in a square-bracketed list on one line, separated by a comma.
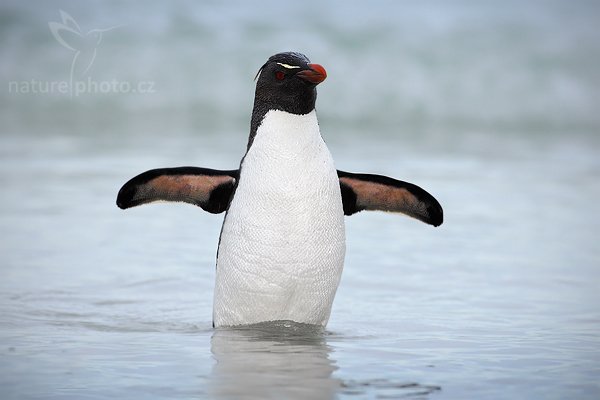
[(207, 188), (378, 192)]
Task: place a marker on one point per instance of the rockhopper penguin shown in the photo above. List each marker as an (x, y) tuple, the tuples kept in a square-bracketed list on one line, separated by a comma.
[(282, 245)]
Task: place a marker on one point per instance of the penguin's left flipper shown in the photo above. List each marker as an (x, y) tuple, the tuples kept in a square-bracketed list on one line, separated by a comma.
[(377, 192), (210, 189)]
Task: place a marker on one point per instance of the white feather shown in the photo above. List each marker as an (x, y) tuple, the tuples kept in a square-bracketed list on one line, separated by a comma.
[(282, 245), (288, 66)]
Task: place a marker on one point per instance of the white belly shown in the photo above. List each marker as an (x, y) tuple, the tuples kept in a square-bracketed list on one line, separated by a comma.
[(282, 245)]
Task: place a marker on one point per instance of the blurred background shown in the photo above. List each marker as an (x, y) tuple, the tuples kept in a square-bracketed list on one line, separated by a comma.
[(493, 107), (429, 72)]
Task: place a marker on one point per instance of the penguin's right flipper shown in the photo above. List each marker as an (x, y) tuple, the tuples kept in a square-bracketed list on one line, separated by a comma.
[(207, 188)]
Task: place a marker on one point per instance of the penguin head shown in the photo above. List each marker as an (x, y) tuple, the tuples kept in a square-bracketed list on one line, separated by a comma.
[(287, 82)]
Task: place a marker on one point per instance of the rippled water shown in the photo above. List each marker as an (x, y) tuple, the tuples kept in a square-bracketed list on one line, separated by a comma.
[(501, 301), (490, 108)]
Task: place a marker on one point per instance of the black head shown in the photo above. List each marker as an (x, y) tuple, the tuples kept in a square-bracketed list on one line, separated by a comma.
[(286, 82)]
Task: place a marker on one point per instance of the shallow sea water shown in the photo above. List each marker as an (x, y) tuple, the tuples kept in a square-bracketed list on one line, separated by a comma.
[(499, 302), (484, 111)]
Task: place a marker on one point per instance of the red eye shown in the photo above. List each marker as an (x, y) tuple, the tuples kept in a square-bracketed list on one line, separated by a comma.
[(279, 75)]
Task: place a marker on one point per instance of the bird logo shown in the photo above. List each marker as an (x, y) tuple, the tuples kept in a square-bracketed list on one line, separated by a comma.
[(84, 45)]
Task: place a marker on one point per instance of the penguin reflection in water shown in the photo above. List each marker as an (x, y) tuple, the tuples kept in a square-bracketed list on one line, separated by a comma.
[(282, 245)]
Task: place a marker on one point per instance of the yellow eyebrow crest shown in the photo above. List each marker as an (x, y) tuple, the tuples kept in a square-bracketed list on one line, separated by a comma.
[(288, 66)]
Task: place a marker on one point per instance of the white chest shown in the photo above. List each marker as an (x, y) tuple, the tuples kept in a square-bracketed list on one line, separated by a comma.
[(282, 246)]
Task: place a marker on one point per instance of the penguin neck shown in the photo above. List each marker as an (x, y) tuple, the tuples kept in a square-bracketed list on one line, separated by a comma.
[(282, 135), (303, 105)]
